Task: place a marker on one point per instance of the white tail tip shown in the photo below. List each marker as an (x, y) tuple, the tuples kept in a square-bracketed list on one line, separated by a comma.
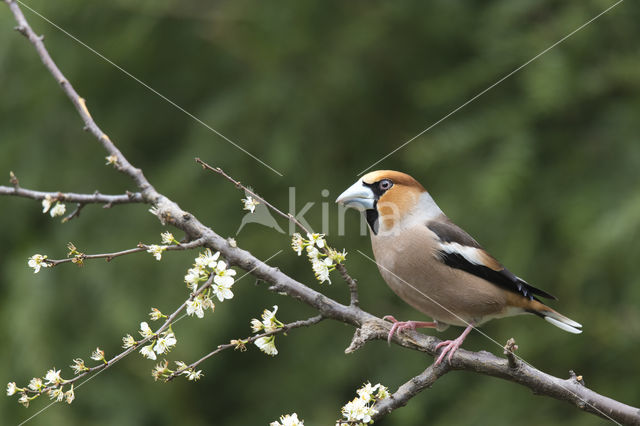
[(566, 324)]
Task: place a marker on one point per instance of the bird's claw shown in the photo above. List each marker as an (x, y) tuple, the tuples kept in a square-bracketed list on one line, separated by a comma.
[(399, 326), (450, 347)]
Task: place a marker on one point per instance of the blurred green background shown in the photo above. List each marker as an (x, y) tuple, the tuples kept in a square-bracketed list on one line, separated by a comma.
[(542, 170)]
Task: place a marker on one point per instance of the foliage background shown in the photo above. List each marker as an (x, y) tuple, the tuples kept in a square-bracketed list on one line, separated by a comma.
[(543, 170)]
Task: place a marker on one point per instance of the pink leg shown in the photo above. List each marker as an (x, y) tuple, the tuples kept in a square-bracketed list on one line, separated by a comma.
[(399, 326), (450, 346)]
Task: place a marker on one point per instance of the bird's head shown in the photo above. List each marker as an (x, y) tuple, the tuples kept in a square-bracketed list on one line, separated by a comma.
[(388, 198)]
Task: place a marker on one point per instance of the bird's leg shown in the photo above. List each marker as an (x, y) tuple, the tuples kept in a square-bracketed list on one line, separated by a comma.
[(450, 346), (399, 326)]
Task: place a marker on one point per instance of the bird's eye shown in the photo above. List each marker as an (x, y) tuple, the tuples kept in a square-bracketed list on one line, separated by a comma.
[(385, 184)]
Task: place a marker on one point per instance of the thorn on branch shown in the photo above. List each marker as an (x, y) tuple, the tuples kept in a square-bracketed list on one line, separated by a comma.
[(509, 351)]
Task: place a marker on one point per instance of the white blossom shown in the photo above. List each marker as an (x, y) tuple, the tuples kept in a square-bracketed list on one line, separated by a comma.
[(128, 341), (56, 394), (167, 237), (297, 243), (269, 321), (58, 210), (11, 388), (366, 392), (38, 261), (155, 314), (249, 203), (224, 276), (267, 345), (46, 204), (78, 366), (160, 370), (156, 250), (97, 355), (383, 392), (192, 278), (145, 330), (147, 352), (316, 239), (53, 377), (194, 375), (195, 306), (165, 343), (361, 409), (312, 253), (24, 399), (321, 269), (358, 410), (222, 291), (69, 395), (288, 420), (36, 384), (207, 259), (256, 325)]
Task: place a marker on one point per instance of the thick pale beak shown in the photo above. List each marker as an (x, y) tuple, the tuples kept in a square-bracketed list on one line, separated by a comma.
[(357, 196)]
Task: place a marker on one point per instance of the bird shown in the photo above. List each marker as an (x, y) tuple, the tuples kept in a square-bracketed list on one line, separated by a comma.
[(435, 266)]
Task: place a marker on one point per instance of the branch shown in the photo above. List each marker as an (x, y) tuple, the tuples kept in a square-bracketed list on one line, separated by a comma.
[(72, 197), (368, 326), (78, 257), (240, 343), (410, 389), (119, 161)]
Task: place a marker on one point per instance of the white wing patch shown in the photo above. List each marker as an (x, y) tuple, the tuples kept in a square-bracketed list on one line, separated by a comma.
[(471, 254)]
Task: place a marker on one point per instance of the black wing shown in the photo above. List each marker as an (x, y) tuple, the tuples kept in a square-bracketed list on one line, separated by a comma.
[(459, 250)]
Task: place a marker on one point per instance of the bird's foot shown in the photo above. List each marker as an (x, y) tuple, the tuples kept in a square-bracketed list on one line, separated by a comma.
[(399, 326), (451, 346)]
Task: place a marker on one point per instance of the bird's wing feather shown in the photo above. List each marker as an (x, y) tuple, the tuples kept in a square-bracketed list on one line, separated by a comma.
[(459, 250)]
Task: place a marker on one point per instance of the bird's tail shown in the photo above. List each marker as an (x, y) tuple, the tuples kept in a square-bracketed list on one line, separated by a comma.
[(559, 320)]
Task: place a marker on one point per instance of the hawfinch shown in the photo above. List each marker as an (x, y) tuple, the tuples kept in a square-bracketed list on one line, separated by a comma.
[(435, 266)]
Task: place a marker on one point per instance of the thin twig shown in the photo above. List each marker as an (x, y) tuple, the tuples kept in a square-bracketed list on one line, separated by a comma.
[(80, 257), (239, 185), (170, 319), (74, 213), (248, 340), (410, 389), (72, 197)]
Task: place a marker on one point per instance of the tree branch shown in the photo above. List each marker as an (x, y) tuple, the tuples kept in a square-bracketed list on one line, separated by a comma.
[(72, 197), (77, 257), (242, 342), (368, 326), (410, 389), (120, 162)]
